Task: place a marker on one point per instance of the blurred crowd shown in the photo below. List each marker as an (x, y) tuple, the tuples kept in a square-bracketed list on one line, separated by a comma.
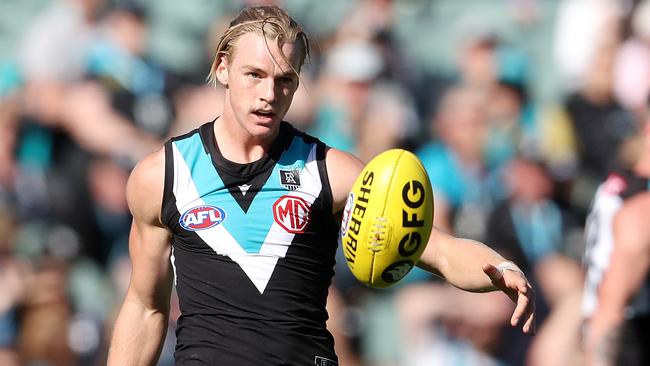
[(518, 109)]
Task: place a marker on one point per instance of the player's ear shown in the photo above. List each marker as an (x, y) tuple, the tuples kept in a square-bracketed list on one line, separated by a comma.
[(222, 71)]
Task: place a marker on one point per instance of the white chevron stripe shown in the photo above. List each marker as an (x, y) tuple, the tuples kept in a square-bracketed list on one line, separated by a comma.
[(258, 267)]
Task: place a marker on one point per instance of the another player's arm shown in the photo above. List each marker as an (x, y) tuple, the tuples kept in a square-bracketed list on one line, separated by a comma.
[(629, 265), (141, 325)]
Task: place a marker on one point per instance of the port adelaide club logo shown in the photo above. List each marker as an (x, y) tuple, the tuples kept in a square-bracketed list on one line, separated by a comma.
[(202, 217), (290, 179)]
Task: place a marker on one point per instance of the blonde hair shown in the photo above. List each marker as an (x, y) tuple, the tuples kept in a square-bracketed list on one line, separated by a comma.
[(270, 22)]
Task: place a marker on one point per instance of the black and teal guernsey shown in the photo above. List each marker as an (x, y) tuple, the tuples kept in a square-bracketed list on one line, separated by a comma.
[(253, 248)]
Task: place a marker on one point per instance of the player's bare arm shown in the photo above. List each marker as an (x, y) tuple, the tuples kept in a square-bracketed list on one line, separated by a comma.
[(473, 266), (629, 267), (142, 322), (466, 264)]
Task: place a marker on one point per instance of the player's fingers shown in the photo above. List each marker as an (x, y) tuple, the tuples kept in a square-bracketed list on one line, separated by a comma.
[(523, 286), (521, 310), (518, 284), (530, 327)]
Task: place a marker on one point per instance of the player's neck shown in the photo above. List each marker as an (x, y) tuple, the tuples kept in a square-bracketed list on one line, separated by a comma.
[(236, 144)]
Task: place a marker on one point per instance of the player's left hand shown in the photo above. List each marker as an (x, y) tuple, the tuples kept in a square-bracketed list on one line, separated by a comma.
[(516, 286)]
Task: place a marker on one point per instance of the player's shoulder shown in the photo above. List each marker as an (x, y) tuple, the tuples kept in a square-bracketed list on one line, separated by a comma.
[(343, 160), (146, 183), (636, 208)]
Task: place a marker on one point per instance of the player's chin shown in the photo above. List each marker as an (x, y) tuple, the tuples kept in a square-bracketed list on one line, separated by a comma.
[(263, 128)]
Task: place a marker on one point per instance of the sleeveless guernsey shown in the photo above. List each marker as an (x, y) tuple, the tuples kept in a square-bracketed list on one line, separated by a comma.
[(609, 198), (253, 250)]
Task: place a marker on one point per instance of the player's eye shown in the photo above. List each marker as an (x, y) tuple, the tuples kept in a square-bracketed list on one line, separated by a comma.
[(254, 75)]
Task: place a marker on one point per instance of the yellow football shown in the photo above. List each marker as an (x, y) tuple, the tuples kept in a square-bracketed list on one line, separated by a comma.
[(387, 219)]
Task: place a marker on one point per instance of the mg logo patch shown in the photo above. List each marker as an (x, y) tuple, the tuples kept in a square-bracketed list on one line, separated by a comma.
[(290, 179), (202, 217), (292, 213)]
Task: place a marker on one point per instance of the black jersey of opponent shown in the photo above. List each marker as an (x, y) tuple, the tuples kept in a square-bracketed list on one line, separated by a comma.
[(253, 251)]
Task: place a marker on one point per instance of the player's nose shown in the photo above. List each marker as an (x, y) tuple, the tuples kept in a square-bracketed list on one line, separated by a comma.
[(268, 90)]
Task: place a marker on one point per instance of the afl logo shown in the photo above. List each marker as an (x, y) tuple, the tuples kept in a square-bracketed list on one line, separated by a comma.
[(202, 217), (345, 221)]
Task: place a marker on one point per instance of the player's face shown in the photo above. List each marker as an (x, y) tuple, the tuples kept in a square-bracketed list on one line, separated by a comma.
[(260, 83)]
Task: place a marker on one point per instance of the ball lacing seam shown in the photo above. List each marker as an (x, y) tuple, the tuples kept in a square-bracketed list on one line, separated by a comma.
[(378, 234)]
